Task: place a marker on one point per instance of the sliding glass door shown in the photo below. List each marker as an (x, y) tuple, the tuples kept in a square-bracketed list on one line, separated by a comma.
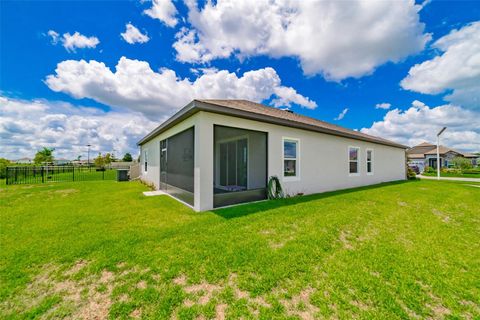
[(240, 165), (233, 164)]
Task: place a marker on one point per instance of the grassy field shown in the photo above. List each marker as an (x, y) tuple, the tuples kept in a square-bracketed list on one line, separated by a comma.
[(453, 174), (103, 250)]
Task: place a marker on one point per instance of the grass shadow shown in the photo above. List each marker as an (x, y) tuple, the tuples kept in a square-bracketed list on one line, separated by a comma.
[(246, 209)]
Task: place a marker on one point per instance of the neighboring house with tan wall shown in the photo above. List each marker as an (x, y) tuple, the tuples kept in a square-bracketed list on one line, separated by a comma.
[(425, 155), (214, 153)]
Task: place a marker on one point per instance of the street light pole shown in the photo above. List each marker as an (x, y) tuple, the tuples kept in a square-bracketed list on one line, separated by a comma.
[(438, 151), (88, 155)]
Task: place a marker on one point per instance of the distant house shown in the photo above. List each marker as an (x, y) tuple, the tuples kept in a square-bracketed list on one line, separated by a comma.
[(214, 153), (61, 161), (23, 161), (474, 158), (425, 155), (81, 162)]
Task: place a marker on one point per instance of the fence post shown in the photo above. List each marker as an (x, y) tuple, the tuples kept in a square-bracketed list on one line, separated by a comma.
[(103, 174), (73, 173), (43, 174), (7, 172)]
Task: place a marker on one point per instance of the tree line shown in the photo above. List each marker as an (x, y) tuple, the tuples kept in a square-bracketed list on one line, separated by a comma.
[(46, 156)]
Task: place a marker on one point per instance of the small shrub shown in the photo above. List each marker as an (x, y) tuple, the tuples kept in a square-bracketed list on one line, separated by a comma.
[(471, 171), (462, 163), (415, 169), (430, 169), (4, 163), (411, 175)]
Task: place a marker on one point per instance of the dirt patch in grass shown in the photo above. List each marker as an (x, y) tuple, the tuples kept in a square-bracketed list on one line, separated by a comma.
[(181, 280), (79, 265), (220, 311), (445, 218), (136, 314), (436, 306), (344, 239), (203, 290), (241, 294), (300, 305), (438, 309), (204, 293), (280, 244), (123, 298), (66, 192), (142, 285), (360, 305), (406, 309), (87, 298)]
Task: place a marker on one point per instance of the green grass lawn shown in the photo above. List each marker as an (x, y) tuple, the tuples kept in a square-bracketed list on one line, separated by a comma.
[(101, 249), (453, 174)]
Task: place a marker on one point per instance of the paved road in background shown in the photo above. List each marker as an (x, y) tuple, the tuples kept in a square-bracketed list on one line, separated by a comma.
[(450, 178)]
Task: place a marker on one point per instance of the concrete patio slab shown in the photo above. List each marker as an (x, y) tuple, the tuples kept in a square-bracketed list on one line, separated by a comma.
[(154, 193)]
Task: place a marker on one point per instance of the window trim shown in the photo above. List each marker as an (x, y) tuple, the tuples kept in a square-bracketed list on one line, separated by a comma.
[(372, 161), (296, 177), (145, 161), (355, 174)]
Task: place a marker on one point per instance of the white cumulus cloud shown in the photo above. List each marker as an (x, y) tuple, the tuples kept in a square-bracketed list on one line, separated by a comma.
[(132, 35), (341, 115), (73, 41), (457, 68), (163, 10), (338, 39), (421, 123), (136, 86), (54, 35), (383, 105), (28, 125)]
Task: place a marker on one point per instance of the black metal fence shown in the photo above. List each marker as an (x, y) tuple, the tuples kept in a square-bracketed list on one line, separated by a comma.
[(43, 174)]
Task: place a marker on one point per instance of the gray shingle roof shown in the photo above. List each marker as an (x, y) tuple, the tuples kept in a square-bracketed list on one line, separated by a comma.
[(256, 111)]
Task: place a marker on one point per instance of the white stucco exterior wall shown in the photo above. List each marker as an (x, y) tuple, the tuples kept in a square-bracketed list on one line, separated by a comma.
[(153, 148), (323, 159)]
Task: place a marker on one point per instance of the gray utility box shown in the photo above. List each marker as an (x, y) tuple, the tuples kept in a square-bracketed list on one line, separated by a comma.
[(122, 174)]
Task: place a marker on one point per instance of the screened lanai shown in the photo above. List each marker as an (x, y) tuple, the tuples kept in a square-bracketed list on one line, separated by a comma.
[(177, 165), (240, 165)]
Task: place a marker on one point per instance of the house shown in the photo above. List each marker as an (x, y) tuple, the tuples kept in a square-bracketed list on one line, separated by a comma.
[(61, 162), (23, 161), (473, 157), (425, 155), (214, 153), (78, 162)]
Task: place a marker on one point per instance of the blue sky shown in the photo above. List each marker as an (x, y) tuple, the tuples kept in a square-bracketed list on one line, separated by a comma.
[(349, 64)]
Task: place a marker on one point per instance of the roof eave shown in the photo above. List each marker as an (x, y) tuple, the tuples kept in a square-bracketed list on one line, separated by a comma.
[(286, 123), (195, 106), (179, 116)]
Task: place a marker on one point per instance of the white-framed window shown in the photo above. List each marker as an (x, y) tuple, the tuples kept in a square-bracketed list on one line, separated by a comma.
[(369, 161), (353, 157), (145, 160), (291, 148)]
